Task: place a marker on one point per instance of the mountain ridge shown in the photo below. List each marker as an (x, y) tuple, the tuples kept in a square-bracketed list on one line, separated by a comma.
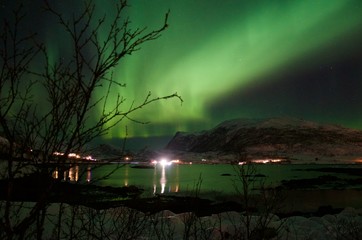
[(289, 137)]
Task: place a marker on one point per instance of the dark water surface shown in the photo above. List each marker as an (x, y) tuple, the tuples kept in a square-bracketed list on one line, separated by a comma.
[(221, 179)]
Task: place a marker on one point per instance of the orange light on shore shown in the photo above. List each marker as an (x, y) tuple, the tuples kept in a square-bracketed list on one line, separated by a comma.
[(358, 160), (262, 161), (266, 161), (75, 156)]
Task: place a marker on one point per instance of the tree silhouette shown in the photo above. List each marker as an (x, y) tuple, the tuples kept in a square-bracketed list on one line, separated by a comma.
[(63, 118)]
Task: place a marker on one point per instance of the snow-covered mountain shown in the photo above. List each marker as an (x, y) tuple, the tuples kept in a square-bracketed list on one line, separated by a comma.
[(273, 137)]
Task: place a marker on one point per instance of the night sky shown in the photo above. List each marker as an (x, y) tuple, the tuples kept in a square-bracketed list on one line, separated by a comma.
[(239, 59)]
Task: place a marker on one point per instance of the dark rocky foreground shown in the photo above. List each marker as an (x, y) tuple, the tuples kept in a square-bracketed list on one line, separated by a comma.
[(308, 219)]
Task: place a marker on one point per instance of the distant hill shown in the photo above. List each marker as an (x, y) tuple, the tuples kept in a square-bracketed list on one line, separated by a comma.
[(273, 137)]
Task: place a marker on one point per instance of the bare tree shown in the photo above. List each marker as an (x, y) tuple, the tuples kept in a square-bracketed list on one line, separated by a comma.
[(259, 201), (64, 119)]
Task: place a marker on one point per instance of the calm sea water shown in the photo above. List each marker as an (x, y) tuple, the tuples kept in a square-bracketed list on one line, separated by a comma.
[(183, 179)]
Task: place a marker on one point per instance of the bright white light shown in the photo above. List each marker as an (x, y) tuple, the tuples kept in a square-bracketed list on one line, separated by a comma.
[(164, 162), (74, 155), (90, 158)]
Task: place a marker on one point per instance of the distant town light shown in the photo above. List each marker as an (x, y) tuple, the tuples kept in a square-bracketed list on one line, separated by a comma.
[(164, 162), (76, 156), (359, 160), (262, 161)]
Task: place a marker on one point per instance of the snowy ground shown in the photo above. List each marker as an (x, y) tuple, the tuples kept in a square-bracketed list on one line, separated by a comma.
[(125, 223)]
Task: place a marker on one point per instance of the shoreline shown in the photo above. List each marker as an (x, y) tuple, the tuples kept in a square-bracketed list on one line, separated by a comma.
[(299, 196)]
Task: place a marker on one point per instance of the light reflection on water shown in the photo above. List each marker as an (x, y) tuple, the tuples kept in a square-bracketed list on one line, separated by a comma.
[(182, 178), (163, 179), (161, 184), (73, 173), (215, 181)]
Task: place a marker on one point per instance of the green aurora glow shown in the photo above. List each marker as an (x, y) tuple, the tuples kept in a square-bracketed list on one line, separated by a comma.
[(213, 48), (240, 59)]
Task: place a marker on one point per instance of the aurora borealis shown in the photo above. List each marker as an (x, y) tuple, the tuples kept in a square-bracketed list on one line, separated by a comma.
[(241, 59), (250, 59)]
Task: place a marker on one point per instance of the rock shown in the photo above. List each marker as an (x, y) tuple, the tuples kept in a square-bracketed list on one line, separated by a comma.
[(166, 213), (349, 212), (329, 219)]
